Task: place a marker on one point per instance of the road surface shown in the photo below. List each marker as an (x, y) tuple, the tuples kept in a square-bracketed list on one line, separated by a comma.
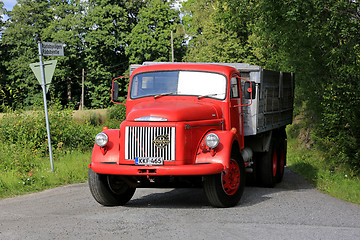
[(291, 210)]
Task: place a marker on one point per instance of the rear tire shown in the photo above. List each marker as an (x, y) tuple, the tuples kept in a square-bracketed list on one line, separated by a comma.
[(268, 167), (109, 190), (225, 189), (281, 159)]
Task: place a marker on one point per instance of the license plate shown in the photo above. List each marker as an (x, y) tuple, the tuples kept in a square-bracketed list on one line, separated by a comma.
[(149, 161)]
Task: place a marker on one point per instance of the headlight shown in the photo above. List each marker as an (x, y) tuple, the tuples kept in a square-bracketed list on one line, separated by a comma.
[(212, 140), (101, 139)]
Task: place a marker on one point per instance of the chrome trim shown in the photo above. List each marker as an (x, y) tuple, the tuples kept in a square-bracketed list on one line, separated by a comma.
[(212, 125), (150, 119), (139, 142)]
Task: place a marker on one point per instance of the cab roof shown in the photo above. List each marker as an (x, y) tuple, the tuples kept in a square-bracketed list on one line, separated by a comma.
[(205, 67)]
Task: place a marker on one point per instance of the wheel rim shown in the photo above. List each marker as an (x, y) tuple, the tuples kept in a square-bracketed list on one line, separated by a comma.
[(231, 179), (274, 163), (116, 184)]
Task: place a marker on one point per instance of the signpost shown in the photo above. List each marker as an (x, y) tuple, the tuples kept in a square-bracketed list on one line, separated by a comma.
[(46, 72)]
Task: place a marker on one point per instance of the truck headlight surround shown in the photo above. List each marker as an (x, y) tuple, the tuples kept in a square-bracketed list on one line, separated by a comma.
[(101, 139), (212, 140)]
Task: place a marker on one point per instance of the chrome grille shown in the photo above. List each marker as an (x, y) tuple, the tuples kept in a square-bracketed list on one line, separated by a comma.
[(139, 142)]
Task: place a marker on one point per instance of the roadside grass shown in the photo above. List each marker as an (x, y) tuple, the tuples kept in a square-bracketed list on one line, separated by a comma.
[(69, 168), (94, 116), (24, 162), (339, 182)]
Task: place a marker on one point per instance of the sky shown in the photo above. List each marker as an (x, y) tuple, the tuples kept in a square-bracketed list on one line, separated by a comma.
[(8, 4)]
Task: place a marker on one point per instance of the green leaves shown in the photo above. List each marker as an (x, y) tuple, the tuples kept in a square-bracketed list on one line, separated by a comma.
[(150, 39), (216, 33), (319, 41)]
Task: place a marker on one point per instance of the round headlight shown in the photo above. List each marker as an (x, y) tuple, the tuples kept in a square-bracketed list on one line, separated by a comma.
[(101, 139), (212, 140)]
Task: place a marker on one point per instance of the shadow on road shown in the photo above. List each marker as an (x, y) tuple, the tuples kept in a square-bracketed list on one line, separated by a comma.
[(195, 197)]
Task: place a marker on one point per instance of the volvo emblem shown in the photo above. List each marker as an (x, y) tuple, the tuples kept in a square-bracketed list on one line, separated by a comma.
[(161, 141)]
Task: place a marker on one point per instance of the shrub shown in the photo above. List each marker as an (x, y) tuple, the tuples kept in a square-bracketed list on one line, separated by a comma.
[(338, 131), (28, 130), (116, 114)]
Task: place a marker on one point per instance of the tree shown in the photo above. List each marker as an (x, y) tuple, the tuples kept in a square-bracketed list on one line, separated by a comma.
[(67, 28), (106, 27), (2, 59), (150, 39), (319, 41), (216, 35), (26, 25), (95, 36)]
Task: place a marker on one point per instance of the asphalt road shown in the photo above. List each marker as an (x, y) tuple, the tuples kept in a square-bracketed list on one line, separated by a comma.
[(291, 210)]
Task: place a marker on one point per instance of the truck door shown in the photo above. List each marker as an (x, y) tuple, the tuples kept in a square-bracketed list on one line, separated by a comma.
[(236, 118)]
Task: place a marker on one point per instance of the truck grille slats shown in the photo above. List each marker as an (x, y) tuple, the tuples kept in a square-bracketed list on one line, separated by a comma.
[(150, 142)]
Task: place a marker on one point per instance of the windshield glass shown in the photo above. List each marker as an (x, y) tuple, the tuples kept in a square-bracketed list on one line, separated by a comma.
[(184, 83)]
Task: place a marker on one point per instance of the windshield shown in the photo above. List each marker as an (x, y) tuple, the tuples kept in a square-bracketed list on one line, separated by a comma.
[(184, 83)]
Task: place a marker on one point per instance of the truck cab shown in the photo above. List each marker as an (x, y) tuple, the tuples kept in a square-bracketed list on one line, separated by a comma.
[(184, 126)]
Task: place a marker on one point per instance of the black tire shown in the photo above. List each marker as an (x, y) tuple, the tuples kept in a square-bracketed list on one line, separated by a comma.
[(226, 190), (252, 178), (268, 166), (109, 190)]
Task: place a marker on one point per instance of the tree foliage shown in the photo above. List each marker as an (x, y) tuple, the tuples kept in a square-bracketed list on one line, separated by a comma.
[(319, 41), (150, 39), (2, 60), (96, 35), (216, 33)]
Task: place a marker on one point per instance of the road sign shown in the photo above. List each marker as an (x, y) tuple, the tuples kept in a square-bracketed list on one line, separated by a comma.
[(52, 49), (49, 68)]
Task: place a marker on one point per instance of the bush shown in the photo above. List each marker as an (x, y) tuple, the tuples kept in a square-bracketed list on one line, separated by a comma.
[(116, 115), (338, 131), (28, 130)]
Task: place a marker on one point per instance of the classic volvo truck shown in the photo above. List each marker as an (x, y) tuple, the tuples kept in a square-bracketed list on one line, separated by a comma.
[(195, 125)]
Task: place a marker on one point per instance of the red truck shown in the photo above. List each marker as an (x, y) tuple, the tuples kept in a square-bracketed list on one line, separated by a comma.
[(195, 125)]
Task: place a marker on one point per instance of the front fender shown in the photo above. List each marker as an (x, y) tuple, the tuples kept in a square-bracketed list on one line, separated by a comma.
[(220, 154), (110, 153)]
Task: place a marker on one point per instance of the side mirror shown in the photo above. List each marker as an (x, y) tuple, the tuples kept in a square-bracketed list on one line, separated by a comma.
[(250, 90), (115, 92)]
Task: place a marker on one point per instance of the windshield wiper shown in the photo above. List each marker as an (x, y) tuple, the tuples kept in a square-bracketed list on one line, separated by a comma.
[(163, 94), (208, 95)]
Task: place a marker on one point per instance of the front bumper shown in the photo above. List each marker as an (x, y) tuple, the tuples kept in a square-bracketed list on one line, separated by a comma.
[(178, 170)]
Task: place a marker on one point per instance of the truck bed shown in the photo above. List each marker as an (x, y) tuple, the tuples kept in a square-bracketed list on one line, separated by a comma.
[(272, 106)]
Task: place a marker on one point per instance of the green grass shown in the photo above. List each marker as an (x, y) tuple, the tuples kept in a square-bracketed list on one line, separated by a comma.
[(24, 162), (309, 163), (69, 168)]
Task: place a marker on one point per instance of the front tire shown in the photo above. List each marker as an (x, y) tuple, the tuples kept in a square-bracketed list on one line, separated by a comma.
[(109, 190), (225, 189)]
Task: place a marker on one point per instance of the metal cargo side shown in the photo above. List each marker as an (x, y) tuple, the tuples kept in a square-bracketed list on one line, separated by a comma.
[(272, 106)]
